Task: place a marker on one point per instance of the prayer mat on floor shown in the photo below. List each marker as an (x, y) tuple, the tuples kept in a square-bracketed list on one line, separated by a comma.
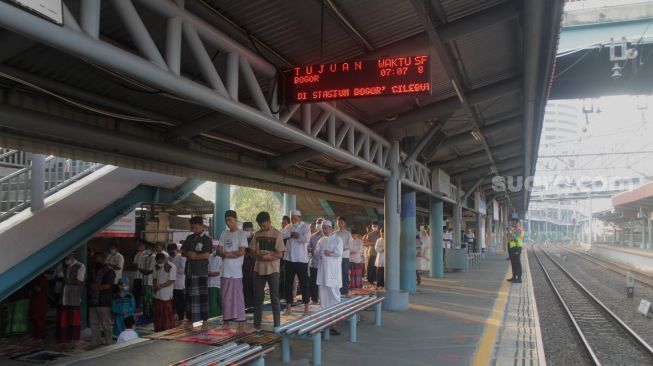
[(261, 338), (41, 356), (172, 334), (217, 336), (362, 291)]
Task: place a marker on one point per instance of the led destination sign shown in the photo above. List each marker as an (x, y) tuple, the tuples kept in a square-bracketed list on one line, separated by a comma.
[(359, 78)]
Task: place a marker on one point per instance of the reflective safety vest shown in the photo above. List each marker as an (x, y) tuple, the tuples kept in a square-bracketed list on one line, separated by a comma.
[(517, 236)]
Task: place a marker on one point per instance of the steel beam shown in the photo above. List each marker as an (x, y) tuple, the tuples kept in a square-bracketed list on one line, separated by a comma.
[(478, 21), (198, 126), (294, 157), (61, 129), (422, 144), (347, 173), (347, 24), (110, 56)]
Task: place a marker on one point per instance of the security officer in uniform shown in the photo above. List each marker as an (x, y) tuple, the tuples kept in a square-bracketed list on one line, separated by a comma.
[(515, 236)]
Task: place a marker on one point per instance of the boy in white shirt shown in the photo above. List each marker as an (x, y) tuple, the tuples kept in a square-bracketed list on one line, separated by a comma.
[(215, 268), (231, 248), (164, 276)]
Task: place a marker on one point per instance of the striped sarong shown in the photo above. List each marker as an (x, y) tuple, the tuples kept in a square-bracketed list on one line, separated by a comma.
[(355, 275), (233, 301), (197, 298)]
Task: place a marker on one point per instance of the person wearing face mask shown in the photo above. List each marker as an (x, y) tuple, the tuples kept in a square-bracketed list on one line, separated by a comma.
[(69, 324), (115, 261), (197, 249), (296, 256), (122, 306), (100, 288), (165, 274), (315, 261), (249, 276)]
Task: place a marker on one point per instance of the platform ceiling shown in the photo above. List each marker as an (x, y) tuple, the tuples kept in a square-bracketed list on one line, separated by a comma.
[(501, 53)]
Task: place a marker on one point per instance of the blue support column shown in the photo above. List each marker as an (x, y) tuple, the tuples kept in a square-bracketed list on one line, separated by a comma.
[(408, 254), (436, 224), (395, 299), (289, 203), (222, 204)]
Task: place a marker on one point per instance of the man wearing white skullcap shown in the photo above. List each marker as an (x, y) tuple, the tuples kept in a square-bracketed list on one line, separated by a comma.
[(298, 235), (329, 277)]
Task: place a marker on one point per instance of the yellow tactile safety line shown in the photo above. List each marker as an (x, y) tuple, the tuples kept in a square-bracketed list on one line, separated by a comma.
[(489, 337)]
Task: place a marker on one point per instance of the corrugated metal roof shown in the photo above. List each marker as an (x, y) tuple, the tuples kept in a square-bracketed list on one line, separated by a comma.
[(456, 9)]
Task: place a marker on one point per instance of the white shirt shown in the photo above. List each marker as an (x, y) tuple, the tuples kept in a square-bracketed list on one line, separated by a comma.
[(116, 260), (380, 253), (150, 264), (345, 236), (232, 242), (127, 335), (215, 265), (180, 262), (138, 257), (297, 249), (329, 272), (160, 277), (356, 254), (145, 265)]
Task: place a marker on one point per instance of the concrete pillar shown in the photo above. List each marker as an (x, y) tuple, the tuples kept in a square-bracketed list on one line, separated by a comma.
[(37, 182), (408, 249), (480, 231), (457, 224), (222, 204), (289, 203), (395, 300), (436, 224)]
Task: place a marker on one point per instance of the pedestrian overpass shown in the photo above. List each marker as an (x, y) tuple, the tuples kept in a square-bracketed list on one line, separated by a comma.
[(195, 89)]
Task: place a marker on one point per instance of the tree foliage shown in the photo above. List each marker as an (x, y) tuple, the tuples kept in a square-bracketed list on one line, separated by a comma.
[(248, 202)]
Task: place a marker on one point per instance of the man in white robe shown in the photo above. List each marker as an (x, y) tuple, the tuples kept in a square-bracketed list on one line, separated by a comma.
[(329, 277)]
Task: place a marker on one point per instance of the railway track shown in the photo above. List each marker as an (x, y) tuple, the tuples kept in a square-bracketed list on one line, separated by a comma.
[(616, 267), (606, 338)]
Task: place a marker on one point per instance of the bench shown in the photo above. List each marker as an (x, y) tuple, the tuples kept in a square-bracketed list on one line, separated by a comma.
[(227, 355), (316, 326)]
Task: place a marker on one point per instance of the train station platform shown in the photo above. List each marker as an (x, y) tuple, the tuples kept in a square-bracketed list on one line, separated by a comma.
[(466, 318)]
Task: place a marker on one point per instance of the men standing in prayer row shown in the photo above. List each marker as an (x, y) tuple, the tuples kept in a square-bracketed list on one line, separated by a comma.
[(178, 293), (115, 261), (231, 248), (369, 241), (145, 267), (197, 249), (296, 256), (267, 247), (215, 273), (314, 261), (329, 275), (345, 236), (73, 273), (100, 290), (138, 279), (165, 274), (249, 276)]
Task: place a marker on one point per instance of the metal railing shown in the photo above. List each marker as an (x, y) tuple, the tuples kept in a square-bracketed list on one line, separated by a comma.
[(15, 190), (13, 158)]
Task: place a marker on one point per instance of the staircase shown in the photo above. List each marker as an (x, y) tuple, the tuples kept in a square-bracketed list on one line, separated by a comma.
[(15, 187), (81, 199)]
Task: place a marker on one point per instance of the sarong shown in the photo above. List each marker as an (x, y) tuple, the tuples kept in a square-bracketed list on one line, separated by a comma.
[(197, 298), (215, 302), (355, 275), (164, 316), (69, 323), (233, 302)]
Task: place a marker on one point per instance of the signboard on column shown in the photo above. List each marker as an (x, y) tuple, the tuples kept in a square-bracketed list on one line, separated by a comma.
[(125, 227), (479, 203)]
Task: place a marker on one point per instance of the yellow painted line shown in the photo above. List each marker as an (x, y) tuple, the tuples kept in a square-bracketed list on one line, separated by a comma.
[(489, 337)]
